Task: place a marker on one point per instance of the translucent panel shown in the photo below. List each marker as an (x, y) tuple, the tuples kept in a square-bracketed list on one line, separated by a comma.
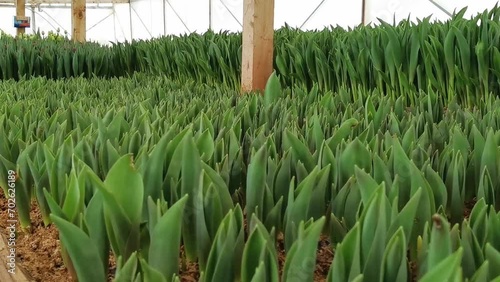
[(142, 17), (100, 25), (145, 19), (187, 16), (122, 22), (7, 22), (388, 10), (52, 19), (330, 13), (227, 15)]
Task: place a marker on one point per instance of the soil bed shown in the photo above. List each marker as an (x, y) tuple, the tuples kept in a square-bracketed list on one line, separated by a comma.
[(469, 205), (38, 252)]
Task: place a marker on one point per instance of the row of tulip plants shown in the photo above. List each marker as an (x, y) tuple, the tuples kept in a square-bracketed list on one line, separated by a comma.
[(141, 166), (458, 57)]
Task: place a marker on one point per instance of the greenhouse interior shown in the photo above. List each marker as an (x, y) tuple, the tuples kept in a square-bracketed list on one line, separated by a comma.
[(249, 141), (125, 20)]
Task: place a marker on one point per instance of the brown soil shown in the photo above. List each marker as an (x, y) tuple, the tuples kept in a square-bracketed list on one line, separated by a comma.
[(324, 257), (38, 252), (112, 267), (413, 271), (469, 205), (188, 271), (412, 267)]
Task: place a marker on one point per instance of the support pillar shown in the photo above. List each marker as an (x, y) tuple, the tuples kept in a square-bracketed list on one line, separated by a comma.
[(79, 20), (21, 12), (258, 44)]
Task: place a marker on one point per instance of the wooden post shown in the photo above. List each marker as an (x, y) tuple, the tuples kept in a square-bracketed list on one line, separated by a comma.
[(258, 44), (79, 20), (21, 12)]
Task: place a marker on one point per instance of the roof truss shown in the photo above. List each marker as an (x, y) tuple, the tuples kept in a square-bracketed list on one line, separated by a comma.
[(49, 2)]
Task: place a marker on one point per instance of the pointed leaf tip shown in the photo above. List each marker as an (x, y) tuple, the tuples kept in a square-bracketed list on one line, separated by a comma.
[(272, 91)]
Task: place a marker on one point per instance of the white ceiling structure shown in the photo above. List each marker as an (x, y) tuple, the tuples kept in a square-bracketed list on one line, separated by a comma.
[(144, 19)]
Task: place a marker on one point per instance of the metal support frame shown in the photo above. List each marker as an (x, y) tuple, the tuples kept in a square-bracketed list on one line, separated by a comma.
[(313, 12), (33, 5), (140, 19), (363, 12), (117, 19), (130, 19), (103, 19), (65, 6), (37, 10), (441, 8), (179, 17), (210, 14), (49, 2), (164, 7), (114, 21), (33, 18), (56, 6), (231, 13)]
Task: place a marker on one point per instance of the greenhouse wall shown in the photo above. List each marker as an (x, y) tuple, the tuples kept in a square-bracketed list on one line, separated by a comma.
[(145, 19)]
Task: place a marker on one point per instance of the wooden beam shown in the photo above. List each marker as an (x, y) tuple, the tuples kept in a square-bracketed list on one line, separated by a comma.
[(79, 20), (258, 44), (21, 12)]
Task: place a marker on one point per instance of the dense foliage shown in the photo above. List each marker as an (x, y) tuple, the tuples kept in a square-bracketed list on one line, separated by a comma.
[(358, 166), (457, 57)]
